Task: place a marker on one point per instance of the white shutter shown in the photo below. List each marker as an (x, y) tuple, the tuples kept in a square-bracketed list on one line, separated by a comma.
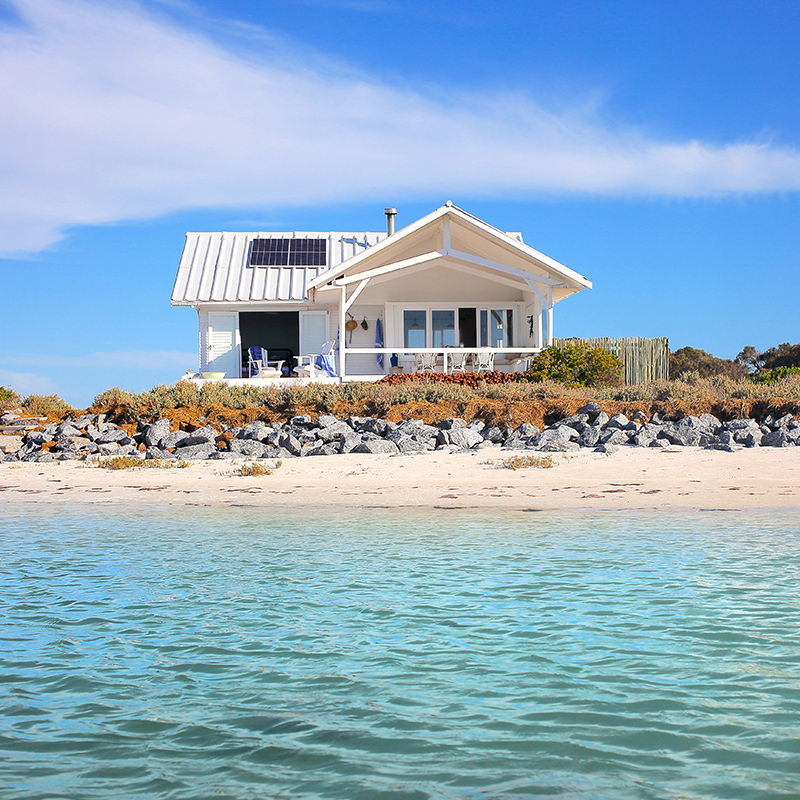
[(313, 331), (222, 350)]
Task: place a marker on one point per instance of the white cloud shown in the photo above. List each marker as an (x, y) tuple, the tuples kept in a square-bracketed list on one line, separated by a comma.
[(117, 113), (25, 383)]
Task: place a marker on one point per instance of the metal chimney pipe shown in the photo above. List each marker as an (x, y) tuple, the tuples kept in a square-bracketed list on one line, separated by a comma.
[(390, 215)]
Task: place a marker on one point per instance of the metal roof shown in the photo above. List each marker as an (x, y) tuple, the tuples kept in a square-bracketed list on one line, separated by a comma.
[(214, 267)]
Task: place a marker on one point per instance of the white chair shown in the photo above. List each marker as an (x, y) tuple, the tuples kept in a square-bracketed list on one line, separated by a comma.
[(459, 362), (424, 362), (484, 361), (308, 365)]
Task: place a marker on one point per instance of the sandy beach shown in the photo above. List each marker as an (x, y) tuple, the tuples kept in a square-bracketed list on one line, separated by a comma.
[(633, 478)]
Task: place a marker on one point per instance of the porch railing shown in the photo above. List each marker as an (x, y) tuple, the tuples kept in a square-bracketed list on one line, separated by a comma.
[(446, 353)]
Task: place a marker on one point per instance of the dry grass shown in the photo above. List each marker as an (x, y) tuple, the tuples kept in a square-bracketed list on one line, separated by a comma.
[(526, 462), (254, 469), (131, 462)]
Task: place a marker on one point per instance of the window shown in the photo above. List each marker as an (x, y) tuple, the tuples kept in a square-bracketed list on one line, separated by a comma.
[(288, 253), (443, 328), (414, 325), (497, 327)]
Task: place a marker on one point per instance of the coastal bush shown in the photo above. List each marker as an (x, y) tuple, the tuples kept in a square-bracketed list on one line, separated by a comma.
[(575, 364), (523, 462), (38, 405), (112, 399), (8, 398), (775, 375), (689, 360)]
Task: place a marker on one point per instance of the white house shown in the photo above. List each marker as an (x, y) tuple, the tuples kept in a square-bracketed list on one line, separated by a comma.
[(447, 285)]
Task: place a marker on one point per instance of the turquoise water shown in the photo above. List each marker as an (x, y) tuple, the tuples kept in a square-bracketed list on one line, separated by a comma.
[(196, 653)]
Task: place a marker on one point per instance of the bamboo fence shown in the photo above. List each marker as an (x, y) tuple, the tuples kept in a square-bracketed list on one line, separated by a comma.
[(644, 360)]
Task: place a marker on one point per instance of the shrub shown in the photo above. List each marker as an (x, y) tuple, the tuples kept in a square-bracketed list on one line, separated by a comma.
[(39, 405), (689, 359), (575, 364), (8, 398), (112, 398), (770, 376)]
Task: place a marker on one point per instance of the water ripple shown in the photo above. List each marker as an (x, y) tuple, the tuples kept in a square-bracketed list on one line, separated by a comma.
[(235, 654)]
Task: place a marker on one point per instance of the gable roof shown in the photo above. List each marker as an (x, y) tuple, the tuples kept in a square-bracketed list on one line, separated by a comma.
[(534, 264)]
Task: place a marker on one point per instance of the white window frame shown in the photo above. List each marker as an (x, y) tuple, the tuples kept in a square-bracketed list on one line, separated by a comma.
[(397, 310)]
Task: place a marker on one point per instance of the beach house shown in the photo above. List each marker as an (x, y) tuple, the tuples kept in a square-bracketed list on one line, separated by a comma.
[(448, 292)]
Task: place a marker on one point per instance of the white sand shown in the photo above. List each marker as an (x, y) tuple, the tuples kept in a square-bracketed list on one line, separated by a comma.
[(632, 478)]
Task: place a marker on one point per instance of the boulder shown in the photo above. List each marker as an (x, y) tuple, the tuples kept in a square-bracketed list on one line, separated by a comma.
[(589, 436), (681, 435), (111, 436), (155, 433), (334, 432), (410, 444), (173, 439), (527, 429), (618, 421), (572, 422), (613, 436), (778, 438), (749, 438), (38, 438), (463, 438), (606, 447), (108, 449), (157, 454), (197, 451), (591, 409), (67, 429), (200, 436), (477, 425), (251, 448), (451, 423), (319, 449), (601, 419), (325, 420), (10, 444), (376, 447), (493, 435), (710, 422), (302, 421), (740, 424), (552, 440), (289, 442), (258, 430), (660, 443), (374, 425)]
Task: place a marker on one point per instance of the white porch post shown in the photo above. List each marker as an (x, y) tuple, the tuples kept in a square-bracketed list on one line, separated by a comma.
[(550, 317), (539, 338), (342, 309)]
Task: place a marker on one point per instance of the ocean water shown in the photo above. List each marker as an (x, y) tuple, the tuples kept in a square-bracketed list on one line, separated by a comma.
[(241, 653)]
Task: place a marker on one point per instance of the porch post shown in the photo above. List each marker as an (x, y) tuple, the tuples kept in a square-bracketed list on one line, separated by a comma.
[(539, 340), (550, 317), (342, 337)]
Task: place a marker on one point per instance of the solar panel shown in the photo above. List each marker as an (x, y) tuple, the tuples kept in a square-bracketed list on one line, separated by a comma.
[(288, 253)]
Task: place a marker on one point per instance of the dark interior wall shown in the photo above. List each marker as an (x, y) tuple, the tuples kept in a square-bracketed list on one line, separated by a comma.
[(466, 327), (274, 330)]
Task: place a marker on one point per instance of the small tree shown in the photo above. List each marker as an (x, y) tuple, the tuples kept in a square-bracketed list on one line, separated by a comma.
[(690, 359), (575, 364)]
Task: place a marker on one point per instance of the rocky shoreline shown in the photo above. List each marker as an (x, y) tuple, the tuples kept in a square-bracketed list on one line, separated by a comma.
[(93, 436)]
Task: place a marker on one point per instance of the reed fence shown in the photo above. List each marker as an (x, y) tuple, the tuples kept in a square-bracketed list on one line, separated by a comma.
[(644, 360)]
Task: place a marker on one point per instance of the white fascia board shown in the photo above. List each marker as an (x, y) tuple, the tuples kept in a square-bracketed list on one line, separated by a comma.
[(389, 241), (527, 250)]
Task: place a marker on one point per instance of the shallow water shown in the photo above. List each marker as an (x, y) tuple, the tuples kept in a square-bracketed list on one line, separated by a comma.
[(196, 653)]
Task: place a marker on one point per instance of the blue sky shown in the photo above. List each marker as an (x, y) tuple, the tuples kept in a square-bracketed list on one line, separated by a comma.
[(652, 147)]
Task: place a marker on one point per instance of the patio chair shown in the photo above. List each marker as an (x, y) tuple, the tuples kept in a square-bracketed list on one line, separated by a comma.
[(324, 361), (459, 362), (424, 362), (259, 366), (484, 361)]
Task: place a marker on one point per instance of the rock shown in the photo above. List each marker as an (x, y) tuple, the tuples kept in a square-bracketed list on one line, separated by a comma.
[(643, 438), (618, 421), (357, 423), (527, 429), (302, 421), (601, 419), (44, 458), (38, 438), (710, 422), (67, 443), (200, 436), (290, 443), (410, 444), (740, 424), (197, 451), (572, 422), (451, 423), (493, 435), (173, 439), (82, 421), (639, 416), (375, 425), (606, 447), (10, 444), (376, 447), (728, 448), (591, 408), (108, 448), (613, 436), (319, 449), (589, 436), (783, 421), (553, 441), (749, 438), (157, 454), (681, 435), (334, 432), (348, 441), (251, 448), (661, 443), (463, 438), (477, 425), (155, 433), (67, 429), (325, 420), (486, 444), (777, 438), (658, 418), (111, 435), (257, 430)]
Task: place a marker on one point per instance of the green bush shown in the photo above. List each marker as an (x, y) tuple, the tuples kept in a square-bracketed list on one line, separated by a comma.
[(575, 364), (770, 376)]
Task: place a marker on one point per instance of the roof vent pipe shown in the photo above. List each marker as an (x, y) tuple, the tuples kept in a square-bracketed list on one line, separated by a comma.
[(390, 215)]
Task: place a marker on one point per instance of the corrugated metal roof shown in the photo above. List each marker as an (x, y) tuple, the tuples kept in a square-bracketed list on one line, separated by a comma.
[(214, 267)]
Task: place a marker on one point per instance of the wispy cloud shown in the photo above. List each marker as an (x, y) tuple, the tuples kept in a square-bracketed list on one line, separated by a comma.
[(116, 112), (27, 383)]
